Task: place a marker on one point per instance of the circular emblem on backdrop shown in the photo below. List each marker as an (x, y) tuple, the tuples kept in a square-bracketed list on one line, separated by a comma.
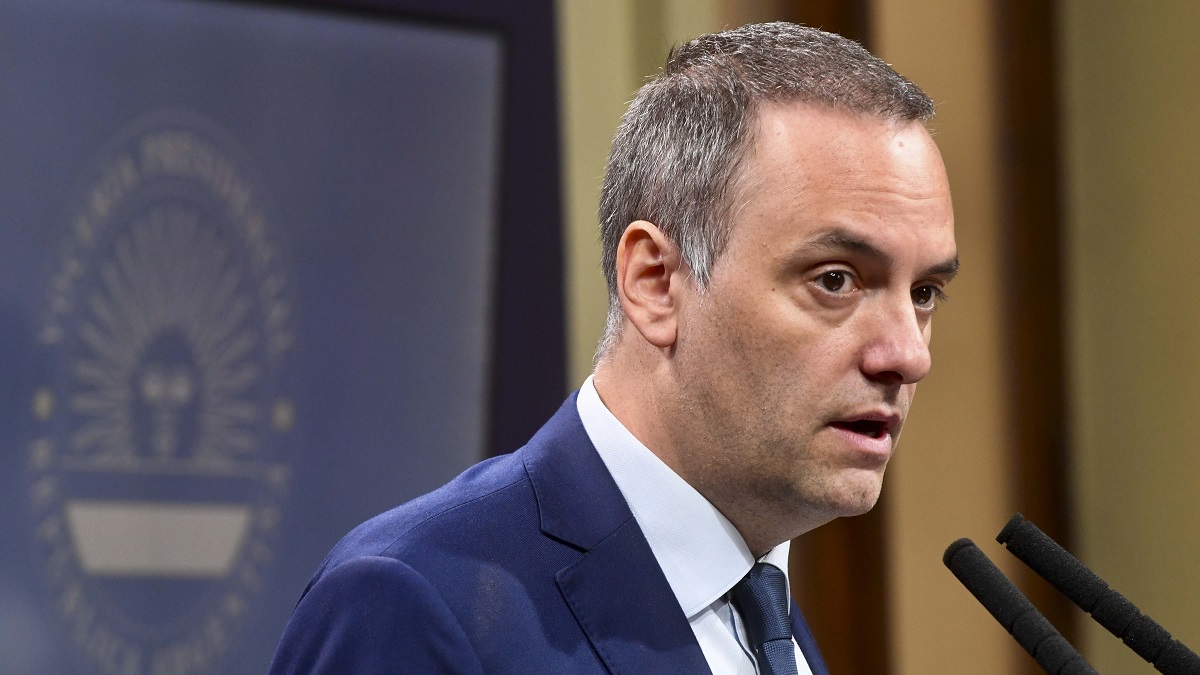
[(157, 475)]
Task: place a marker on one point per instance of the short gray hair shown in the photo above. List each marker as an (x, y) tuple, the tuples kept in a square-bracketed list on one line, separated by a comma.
[(678, 150)]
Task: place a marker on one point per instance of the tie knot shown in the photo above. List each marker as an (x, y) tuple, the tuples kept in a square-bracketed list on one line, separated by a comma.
[(761, 600)]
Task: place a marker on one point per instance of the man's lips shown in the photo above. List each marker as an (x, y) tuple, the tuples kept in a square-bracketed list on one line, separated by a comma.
[(872, 433), (873, 425), (872, 428)]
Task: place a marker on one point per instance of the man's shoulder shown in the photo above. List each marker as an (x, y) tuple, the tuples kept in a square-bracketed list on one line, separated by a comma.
[(481, 494)]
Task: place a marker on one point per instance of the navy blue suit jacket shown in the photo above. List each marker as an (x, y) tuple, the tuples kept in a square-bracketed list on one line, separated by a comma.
[(525, 563)]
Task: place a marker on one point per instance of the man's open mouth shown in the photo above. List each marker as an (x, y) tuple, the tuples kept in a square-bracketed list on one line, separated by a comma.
[(872, 428)]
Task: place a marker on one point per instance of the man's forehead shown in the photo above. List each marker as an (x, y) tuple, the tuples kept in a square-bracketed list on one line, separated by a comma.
[(823, 121), (817, 144)]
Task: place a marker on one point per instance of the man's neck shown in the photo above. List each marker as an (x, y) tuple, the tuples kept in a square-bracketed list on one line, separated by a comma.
[(643, 406)]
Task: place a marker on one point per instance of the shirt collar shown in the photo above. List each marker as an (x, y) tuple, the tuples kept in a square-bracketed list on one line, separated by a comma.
[(700, 552)]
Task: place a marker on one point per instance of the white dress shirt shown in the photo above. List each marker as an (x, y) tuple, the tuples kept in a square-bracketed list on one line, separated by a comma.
[(698, 549)]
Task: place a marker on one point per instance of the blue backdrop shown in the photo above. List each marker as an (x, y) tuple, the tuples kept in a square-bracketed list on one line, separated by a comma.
[(246, 290)]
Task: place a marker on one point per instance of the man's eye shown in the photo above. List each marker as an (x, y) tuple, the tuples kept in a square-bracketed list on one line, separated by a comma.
[(835, 281), (926, 297)]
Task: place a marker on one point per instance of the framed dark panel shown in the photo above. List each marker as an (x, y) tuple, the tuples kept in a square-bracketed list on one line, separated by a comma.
[(529, 368), (266, 269), (529, 371)]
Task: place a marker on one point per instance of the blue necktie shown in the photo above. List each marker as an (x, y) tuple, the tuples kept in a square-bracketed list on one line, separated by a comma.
[(761, 599)]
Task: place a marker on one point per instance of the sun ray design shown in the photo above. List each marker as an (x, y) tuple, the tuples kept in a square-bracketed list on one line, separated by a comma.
[(169, 347)]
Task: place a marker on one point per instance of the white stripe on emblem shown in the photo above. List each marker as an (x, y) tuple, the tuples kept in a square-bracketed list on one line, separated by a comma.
[(161, 539)]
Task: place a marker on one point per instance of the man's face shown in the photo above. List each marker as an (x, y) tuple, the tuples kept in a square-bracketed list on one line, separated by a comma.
[(798, 365)]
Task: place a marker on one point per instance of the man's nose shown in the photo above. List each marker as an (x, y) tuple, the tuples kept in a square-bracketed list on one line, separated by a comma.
[(897, 349)]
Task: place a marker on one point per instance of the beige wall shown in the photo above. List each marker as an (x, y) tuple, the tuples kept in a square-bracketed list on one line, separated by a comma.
[(950, 478), (1132, 162)]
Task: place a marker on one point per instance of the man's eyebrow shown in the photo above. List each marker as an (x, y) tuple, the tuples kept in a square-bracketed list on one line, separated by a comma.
[(947, 270), (841, 240)]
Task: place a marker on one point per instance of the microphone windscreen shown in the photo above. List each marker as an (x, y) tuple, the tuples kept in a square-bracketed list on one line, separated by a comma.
[(986, 582), (1013, 610), (1087, 590), (1054, 564)]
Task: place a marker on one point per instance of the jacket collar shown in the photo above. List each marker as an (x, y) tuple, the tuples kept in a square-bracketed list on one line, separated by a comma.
[(578, 502), (615, 589), (807, 643)]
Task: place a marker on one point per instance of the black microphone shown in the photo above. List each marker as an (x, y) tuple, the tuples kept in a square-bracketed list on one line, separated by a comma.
[(1013, 610), (1108, 607)]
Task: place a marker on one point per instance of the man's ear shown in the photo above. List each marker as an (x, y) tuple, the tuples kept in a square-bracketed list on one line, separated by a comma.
[(647, 282)]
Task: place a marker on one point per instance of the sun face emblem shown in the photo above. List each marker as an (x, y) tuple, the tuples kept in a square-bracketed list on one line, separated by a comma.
[(158, 477), (170, 370), (165, 397)]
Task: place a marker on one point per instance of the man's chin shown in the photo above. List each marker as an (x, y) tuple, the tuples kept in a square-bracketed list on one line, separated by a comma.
[(856, 497), (861, 508)]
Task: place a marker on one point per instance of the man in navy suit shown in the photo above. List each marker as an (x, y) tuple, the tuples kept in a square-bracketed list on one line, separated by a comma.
[(777, 233)]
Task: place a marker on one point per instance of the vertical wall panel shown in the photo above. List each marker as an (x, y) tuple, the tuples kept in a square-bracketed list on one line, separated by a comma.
[(1132, 158)]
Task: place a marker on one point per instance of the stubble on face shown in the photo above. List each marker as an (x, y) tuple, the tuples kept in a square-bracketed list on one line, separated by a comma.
[(763, 363), (752, 422)]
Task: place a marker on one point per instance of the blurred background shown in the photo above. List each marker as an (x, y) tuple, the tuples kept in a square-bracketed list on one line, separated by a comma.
[(269, 268)]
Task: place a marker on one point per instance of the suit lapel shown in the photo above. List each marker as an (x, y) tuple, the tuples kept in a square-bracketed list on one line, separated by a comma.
[(615, 589), (806, 642), (632, 618)]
